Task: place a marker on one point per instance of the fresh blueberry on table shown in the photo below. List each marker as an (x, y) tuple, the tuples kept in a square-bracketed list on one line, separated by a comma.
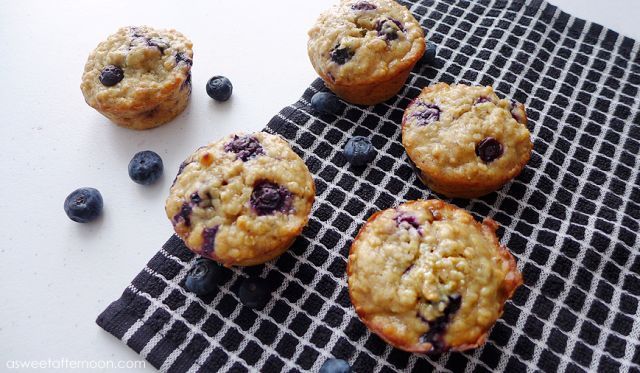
[(335, 366), (111, 75), (429, 56), (359, 151), (254, 292), (326, 103), (219, 88), (83, 205), (203, 277), (145, 167)]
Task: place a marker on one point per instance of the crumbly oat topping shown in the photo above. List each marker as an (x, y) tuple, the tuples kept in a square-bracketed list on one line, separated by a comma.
[(447, 129), (361, 41), (155, 63), (219, 187), (428, 277)]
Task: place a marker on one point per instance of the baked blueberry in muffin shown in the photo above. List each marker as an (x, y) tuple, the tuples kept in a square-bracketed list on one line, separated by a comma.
[(365, 50), (241, 200), (139, 77), (465, 141), (426, 277)]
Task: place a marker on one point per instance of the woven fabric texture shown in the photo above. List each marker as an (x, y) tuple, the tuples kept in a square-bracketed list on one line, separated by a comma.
[(570, 218)]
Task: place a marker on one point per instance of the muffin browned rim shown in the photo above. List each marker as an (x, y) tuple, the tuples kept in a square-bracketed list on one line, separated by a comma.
[(459, 182), (513, 279)]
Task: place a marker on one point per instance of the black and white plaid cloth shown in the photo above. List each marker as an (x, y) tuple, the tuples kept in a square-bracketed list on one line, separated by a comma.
[(571, 217)]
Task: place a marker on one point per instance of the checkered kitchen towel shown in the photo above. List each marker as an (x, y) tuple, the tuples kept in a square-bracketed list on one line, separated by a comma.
[(571, 217)]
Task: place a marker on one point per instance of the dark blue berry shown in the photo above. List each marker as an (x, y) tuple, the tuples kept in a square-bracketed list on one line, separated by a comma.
[(515, 112), (335, 366), (183, 215), (195, 198), (427, 113), (159, 43), (407, 219), (363, 5), (219, 88), (341, 55), (111, 75), (267, 198), (326, 103), (203, 277), (438, 327), (145, 167), (359, 151), (83, 205), (388, 28), (187, 82), (482, 100), (209, 238), (489, 149), (181, 57), (246, 147), (429, 56), (254, 292)]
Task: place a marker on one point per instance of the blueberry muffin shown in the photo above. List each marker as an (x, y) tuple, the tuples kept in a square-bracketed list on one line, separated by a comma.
[(241, 200), (139, 77), (465, 141), (426, 277), (364, 50)]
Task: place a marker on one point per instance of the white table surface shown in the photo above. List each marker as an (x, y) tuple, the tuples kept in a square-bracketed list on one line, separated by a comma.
[(56, 276)]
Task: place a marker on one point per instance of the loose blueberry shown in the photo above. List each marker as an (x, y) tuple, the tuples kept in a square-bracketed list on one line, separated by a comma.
[(181, 57), (83, 205), (363, 5), (489, 149), (326, 103), (335, 366), (145, 167), (359, 151), (111, 75), (246, 147), (219, 88), (254, 292), (341, 55), (267, 198), (429, 55), (209, 239), (427, 114), (388, 28), (203, 277)]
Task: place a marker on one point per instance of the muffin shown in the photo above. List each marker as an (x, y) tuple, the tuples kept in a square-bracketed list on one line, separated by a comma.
[(365, 50), (426, 277), (241, 200), (464, 140), (139, 77)]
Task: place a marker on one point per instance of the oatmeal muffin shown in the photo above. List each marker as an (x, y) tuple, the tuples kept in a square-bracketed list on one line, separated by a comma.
[(465, 141), (365, 50), (426, 277), (139, 77), (241, 200)]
